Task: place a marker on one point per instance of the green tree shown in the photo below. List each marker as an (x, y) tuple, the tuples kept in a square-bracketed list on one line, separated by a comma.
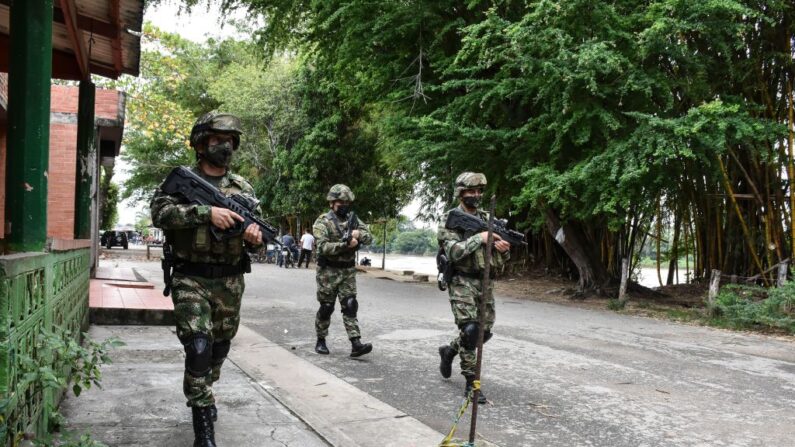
[(109, 205), (593, 121), (416, 242)]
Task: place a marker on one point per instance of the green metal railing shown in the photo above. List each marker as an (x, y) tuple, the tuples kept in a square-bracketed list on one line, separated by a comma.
[(38, 291)]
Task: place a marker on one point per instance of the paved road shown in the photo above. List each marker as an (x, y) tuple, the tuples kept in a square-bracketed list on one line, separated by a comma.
[(556, 375)]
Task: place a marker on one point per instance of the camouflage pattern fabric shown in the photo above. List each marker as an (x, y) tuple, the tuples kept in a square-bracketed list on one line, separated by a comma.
[(468, 180), (206, 306), (328, 230), (187, 227), (215, 123), (340, 192), (465, 295), (333, 284), (468, 253), (336, 283)]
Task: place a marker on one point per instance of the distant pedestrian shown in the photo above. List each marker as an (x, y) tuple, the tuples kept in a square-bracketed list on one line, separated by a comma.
[(307, 245), (288, 241)]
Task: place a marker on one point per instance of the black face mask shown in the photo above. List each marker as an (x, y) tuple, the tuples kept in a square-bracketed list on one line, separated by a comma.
[(471, 202), (342, 211), (219, 155)]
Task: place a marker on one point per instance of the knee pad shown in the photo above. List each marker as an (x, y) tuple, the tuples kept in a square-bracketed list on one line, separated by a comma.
[(350, 306), (469, 335), (198, 355), (221, 350), (487, 336), (325, 311)]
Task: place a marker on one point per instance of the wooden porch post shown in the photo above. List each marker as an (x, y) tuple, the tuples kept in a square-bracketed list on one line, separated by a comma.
[(30, 69)]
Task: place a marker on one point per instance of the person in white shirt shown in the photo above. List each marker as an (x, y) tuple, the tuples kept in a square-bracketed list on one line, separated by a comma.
[(307, 245)]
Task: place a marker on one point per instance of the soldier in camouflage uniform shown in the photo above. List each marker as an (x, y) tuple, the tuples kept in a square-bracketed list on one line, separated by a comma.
[(207, 284), (336, 269), (466, 252)]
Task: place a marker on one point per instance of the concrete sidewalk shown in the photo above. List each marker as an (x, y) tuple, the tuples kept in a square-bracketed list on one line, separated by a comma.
[(141, 403)]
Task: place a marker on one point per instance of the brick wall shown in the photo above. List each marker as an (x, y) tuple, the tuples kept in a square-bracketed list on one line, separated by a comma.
[(63, 155), (106, 103), (61, 185)]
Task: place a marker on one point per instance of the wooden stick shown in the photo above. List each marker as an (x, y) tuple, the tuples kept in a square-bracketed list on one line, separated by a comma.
[(782, 274), (484, 295)]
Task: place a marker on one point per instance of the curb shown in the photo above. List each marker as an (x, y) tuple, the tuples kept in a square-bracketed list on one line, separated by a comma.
[(118, 316), (340, 413)]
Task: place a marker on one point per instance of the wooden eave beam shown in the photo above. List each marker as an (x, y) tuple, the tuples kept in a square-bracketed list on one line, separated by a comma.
[(87, 23), (115, 20), (75, 36), (64, 65)]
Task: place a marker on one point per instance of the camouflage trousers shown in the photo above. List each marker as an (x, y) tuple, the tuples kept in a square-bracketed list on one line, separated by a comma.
[(465, 294), (209, 306), (332, 284)]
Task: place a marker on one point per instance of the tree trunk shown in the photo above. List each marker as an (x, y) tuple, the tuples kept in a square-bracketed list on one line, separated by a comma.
[(593, 274), (673, 250)]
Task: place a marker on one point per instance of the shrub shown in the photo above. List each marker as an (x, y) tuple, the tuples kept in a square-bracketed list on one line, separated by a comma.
[(752, 306)]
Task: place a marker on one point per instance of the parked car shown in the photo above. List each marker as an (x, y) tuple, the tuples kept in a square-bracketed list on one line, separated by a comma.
[(114, 239)]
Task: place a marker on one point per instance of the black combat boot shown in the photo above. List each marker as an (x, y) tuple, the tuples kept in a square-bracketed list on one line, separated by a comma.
[(203, 429), (214, 412), (446, 364), (481, 397), (358, 348), (320, 346)]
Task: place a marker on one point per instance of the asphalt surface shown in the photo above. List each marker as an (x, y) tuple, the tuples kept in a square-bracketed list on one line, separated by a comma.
[(555, 375)]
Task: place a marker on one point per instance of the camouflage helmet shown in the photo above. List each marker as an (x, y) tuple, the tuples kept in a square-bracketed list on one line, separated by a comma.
[(469, 180), (340, 192), (214, 123)]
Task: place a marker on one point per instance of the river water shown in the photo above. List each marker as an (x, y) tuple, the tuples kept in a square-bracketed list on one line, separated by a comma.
[(427, 265)]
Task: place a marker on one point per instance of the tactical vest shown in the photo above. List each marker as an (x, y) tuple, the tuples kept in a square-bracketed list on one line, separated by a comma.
[(476, 262), (197, 245), (336, 229)]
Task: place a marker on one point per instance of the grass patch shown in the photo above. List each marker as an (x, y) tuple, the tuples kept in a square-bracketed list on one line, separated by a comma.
[(683, 314), (616, 304), (752, 307)]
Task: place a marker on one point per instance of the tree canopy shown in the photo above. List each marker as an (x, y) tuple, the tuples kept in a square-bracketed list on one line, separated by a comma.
[(601, 126)]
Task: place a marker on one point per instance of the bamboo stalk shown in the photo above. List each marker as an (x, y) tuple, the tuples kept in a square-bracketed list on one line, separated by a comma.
[(659, 236), (687, 246), (748, 240), (791, 161), (718, 234)]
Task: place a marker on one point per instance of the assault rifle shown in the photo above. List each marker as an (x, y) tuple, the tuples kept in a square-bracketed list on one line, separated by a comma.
[(353, 224), (184, 183), (471, 224)]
